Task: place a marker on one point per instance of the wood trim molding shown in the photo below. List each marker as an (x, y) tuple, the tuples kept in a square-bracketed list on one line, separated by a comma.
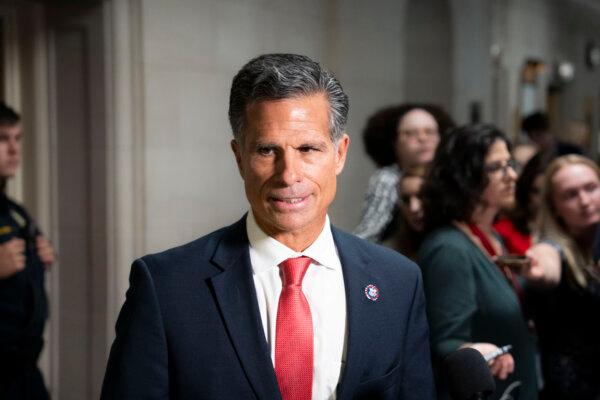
[(12, 79), (125, 144)]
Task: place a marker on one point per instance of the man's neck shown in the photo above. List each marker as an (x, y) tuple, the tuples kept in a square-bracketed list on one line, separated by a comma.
[(297, 240)]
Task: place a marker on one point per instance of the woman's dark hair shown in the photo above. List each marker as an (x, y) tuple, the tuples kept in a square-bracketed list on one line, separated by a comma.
[(379, 136), (456, 181), (522, 214)]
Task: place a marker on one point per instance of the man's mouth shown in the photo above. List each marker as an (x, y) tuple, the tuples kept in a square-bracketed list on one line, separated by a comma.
[(292, 200), (288, 202)]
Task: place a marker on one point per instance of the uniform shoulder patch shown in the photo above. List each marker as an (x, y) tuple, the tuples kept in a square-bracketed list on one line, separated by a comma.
[(19, 219)]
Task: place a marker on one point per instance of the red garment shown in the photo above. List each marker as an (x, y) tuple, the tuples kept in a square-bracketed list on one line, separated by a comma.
[(294, 334), (512, 278), (515, 241)]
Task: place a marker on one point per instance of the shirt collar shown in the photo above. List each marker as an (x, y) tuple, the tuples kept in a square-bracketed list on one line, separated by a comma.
[(270, 253)]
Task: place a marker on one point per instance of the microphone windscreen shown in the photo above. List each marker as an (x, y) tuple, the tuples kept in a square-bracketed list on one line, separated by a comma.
[(468, 375)]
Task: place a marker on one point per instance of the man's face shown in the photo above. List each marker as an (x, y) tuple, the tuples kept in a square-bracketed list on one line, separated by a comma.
[(542, 138), (289, 166), (10, 150)]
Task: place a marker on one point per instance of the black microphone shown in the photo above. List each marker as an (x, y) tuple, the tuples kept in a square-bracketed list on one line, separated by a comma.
[(468, 375)]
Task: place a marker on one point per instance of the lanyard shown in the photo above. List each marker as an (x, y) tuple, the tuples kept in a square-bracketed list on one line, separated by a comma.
[(485, 241), (511, 277)]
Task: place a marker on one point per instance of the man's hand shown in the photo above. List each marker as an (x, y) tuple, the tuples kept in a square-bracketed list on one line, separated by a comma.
[(502, 366), (45, 251), (12, 257)]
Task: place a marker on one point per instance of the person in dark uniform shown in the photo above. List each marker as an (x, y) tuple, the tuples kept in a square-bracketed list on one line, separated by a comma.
[(24, 256)]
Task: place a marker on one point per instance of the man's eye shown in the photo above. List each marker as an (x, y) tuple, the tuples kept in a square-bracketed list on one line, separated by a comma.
[(265, 151), (307, 149)]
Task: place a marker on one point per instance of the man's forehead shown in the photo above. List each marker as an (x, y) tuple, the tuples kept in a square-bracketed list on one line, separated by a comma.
[(11, 128), (304, 116), (293, 136)]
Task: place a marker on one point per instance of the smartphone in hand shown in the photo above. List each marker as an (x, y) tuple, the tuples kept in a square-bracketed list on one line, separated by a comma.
[(513, 261)]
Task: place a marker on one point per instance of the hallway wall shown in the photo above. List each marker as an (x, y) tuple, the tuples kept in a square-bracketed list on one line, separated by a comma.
[(191, 181)]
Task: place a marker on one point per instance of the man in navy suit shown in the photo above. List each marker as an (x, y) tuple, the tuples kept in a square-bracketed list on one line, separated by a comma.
[(279, 305)]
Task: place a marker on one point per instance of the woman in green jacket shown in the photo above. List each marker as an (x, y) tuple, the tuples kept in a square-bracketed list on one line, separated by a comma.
[(471, 301)]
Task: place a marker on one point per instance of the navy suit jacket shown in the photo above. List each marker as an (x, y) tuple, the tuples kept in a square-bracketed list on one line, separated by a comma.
[(190, 327)]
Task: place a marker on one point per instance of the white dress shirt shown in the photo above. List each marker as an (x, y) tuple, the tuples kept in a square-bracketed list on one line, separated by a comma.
[(323, 286)]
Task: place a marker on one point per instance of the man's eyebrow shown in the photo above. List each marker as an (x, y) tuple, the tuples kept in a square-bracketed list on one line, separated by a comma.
[(314, 143), (263, 143)]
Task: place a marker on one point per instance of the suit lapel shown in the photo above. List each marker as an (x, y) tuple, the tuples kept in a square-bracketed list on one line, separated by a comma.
[(357, 276), (236, 296)]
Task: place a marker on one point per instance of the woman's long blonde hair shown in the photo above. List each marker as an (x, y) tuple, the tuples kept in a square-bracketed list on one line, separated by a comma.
[(552, 227)]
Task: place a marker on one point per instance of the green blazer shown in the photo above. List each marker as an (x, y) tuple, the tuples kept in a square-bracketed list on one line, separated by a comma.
[(470, 300)]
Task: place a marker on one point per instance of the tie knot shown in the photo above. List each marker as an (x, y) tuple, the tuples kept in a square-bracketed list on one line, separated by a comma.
[(293, 270)]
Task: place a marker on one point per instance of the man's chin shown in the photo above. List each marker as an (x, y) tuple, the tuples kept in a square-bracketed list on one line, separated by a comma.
[(4, 175)]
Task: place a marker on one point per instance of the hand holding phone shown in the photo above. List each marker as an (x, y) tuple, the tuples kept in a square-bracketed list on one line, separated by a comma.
[(515, 262)]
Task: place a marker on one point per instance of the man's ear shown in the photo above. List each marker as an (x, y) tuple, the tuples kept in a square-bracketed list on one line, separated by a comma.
[(341, 152), (237, 151)]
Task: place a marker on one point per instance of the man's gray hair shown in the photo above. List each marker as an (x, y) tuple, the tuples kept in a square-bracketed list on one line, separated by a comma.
[(284, 76)]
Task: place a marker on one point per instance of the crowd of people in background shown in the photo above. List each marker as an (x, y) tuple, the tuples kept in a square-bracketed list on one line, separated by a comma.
[(507, 243), (396, 138)]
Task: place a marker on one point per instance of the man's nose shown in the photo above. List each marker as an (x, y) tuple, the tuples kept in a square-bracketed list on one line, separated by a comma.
[(13, 146), (289, 167)]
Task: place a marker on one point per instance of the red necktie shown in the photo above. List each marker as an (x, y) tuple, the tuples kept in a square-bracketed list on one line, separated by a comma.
[(294, 334)]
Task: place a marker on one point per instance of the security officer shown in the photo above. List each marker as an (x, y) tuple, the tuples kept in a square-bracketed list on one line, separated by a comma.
[(24, 255)]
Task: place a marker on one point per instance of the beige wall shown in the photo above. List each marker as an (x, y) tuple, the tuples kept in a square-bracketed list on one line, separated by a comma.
[(191, 50)]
